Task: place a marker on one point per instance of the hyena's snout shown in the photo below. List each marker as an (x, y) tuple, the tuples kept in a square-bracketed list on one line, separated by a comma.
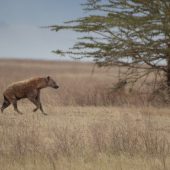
[(56, 87), (51, 83)]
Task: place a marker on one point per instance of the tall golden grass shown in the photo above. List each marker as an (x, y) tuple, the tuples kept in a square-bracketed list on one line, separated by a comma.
[(85, 138), (87, 128)]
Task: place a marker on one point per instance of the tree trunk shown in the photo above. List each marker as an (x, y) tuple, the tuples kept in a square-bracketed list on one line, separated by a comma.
[(168, 67), (168, 72)]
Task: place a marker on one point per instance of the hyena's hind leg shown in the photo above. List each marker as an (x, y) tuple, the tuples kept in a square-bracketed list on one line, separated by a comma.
[(14, 103), (5, 104)]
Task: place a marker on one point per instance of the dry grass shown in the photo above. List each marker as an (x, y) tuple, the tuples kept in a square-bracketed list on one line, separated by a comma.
[(85, 138), (77, 135), (79, 85)]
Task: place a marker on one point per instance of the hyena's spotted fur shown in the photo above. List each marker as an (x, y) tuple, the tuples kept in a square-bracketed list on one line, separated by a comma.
[(30, 89)]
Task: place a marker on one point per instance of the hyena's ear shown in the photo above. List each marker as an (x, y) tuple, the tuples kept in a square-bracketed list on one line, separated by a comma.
[(48, 78)]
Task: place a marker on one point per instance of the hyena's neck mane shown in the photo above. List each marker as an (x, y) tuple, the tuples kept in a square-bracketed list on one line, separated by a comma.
[(39, 83)]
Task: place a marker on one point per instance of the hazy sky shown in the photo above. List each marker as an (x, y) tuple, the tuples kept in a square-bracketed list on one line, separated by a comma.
[(20, 22)]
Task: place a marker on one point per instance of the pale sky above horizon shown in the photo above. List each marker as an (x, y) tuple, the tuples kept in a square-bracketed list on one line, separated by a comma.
[(20, 32)]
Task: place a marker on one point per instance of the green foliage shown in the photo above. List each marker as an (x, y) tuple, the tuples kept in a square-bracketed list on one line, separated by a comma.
[(131, 33)]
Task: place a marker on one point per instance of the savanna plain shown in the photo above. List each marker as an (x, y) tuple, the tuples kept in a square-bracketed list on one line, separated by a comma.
[(89, 126)]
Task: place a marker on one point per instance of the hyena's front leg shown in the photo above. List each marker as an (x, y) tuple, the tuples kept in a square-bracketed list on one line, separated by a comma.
[(39, 106), (36, 101), (39, 101)]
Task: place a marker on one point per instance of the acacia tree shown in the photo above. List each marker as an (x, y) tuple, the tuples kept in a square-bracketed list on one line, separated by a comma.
[(130, 33)]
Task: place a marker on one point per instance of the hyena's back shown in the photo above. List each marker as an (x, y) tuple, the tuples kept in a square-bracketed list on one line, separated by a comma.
[(21, 89)]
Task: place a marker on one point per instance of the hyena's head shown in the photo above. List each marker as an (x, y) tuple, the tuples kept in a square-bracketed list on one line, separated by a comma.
[(51, 83)]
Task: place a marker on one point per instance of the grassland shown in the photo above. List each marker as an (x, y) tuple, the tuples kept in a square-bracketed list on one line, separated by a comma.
[(87, 128)]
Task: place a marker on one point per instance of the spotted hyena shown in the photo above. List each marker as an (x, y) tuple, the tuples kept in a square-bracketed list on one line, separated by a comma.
[(30, 89)]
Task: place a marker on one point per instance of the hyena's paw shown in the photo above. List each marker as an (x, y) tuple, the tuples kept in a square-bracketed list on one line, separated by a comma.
[(20, 113), (44, 113), (35, 109), (2, 110)]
